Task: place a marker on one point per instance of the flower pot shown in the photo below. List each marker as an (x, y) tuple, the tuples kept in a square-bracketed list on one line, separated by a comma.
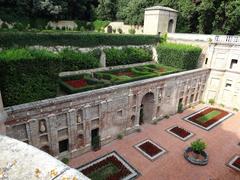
[(196, 158)]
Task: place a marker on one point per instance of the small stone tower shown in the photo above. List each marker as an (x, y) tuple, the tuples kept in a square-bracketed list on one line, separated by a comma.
[(3, 117), (159, 20)]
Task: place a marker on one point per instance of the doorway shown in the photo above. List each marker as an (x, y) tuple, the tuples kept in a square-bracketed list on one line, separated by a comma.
[(146, 109), (170, 26), (95, 138)]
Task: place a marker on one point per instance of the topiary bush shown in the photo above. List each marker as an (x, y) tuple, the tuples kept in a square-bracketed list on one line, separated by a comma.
[(24, 39), (123, 56), (178, 55), (30, 75)]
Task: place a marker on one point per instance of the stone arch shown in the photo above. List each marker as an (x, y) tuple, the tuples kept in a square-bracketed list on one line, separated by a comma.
[(170, 25), (147, 108), (109, 29)]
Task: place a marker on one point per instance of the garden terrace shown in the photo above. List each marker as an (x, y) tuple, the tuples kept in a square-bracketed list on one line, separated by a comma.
[(85, 82), (24, 39), (110, 166), (150, 149), (208, 117)]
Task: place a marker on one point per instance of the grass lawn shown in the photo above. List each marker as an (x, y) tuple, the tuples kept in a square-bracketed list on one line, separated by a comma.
[(208, 116), (104, 172)]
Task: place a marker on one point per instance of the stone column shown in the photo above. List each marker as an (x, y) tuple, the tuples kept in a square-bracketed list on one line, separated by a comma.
[(72, 128), (53, 134), (3, 117), (154, 54), (103, 58)]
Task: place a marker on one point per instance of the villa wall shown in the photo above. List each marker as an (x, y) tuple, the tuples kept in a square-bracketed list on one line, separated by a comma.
[(224, 82), (113, 110)]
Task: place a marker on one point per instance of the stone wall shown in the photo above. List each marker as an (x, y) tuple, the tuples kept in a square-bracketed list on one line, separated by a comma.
[(45, 124)]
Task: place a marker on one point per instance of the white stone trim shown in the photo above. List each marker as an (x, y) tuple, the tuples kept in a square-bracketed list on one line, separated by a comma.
[(145, 154), (183, 139), (232, 161), (133, 174)]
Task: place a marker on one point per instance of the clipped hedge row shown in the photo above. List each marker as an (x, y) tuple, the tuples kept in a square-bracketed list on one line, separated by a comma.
[(178, 55), (30, 75), (125, 56), (23, 39)]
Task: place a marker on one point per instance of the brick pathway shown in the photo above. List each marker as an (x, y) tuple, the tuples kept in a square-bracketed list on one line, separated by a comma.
[(222, 143)]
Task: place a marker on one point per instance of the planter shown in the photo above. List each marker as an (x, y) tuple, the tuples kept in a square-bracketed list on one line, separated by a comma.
[(191, 157)]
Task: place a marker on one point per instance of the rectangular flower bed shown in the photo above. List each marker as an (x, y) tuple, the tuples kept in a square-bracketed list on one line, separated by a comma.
[(235, 163), (150, 149), (110, 167), (180, 133), (208, 117)]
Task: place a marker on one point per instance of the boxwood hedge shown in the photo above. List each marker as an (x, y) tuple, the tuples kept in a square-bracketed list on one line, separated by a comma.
[(178, 55), (128, 55), (24, 39), (30, 75)]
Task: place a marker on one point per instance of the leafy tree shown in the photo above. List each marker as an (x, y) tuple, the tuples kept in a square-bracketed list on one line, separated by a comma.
[(107, 9)]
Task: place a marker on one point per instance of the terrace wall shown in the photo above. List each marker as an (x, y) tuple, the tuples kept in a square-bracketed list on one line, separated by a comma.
[(113, 110)]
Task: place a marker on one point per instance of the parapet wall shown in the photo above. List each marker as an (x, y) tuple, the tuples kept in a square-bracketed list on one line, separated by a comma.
[(112, 110)]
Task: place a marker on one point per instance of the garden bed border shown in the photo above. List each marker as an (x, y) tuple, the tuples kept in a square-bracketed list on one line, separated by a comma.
[(179, 137), (186, 118), (134, 173), (230, 163), (163, 151)]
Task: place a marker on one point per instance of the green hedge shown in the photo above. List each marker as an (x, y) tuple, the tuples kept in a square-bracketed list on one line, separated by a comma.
[(30, 75), (125, 56), (178, 55), (24, 39), (108, 78)]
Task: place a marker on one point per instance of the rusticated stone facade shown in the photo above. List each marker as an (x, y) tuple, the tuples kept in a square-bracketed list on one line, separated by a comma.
[(64, 126)]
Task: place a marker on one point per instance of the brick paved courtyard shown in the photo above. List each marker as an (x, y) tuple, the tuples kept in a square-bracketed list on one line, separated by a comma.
[(222, 143)]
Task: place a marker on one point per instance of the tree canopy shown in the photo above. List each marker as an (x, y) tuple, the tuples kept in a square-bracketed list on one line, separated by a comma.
[(198, 16)]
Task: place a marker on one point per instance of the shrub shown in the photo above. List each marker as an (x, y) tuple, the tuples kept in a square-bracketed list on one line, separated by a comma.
[(211, 101), (65, 160), (119, 136), (96, 143), (123, 56), (139, 130), (31, 75), (198, 146), (19, 26), (235, 109), (166, 116), (23, 39), (132, 31), (180, 107), (99, 25), (178, 55)]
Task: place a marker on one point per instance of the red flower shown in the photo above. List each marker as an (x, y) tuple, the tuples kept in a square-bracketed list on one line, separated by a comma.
[(77, 83)]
